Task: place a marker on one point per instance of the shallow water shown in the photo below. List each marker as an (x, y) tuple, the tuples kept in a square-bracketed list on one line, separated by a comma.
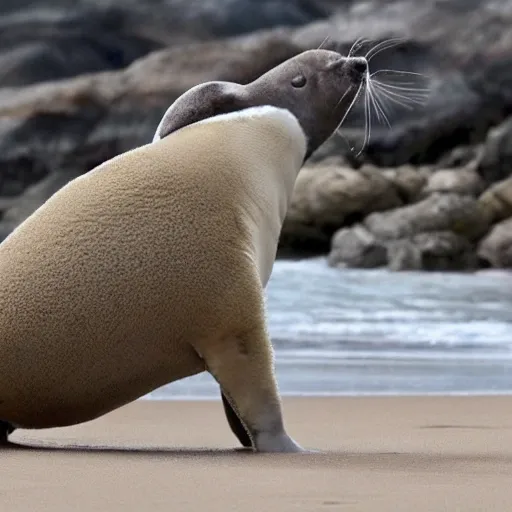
[(378, 332)]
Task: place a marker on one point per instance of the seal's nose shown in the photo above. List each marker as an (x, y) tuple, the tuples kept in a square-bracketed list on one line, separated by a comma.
[(359, 65)]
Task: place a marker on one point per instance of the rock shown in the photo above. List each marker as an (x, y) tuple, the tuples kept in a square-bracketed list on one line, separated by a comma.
[(403, 254), (40, 46), (497, 200), (356, 247), (461, 156), (432, 251), (42, 42), (439, 212), (408, 181), (70, 126), (327, 197), (495, 163), (465, 181), (496, 247)]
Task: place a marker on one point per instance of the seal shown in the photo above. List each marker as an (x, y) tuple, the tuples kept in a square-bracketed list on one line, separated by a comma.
[(151, 267)]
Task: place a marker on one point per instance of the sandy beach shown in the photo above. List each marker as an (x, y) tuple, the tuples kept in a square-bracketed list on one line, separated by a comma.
[(378, 454)]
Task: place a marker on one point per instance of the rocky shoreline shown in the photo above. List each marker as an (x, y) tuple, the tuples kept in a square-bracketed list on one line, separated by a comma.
[(81, 83)]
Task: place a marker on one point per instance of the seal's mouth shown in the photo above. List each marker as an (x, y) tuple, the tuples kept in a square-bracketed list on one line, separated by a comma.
[(383, 89)]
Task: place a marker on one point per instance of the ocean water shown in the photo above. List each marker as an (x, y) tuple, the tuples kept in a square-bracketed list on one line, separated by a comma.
[(371, 332)]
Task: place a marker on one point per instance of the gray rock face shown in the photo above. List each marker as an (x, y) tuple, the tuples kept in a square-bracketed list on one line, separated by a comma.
[(465, 181), (496, 247), (46, 41), (497, 200), (435, 234), (356, 247), (432, 251), (495, 163), (329, 196), (439, 212)]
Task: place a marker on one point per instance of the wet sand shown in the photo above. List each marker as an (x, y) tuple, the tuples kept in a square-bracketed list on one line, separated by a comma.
[(379, 454)]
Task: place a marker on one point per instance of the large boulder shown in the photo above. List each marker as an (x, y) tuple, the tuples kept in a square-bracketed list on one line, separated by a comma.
[(496, 248), (45, 41), (327, 197), (409, 182), (432, 251), (495, 162), (464, 181), (497, 200), (356, 247), (459, 214), (38, 45)]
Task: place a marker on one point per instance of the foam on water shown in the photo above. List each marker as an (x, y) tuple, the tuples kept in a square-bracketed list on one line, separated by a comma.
[(374, 331)]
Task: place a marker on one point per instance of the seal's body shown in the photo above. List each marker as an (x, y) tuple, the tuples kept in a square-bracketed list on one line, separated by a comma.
[(151, 268)]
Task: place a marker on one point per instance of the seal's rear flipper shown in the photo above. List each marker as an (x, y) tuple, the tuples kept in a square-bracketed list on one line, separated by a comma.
[(235, 424), (5, 430)]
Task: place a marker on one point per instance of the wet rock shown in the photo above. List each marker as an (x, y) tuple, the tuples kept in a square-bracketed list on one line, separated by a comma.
[(356, 247), (439, 212), (460, 156), (403, 254), (42, 42), (327, 197), (408, 181), (495, 163), (496, 247), (497, 200), (432, 251), (57, 43), (465, 181)]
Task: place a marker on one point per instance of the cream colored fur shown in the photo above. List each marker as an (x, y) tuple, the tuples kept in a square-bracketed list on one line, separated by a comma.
[(148, 269)]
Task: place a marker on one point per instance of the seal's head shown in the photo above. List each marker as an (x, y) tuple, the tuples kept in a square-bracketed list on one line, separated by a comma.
[(317, 86)]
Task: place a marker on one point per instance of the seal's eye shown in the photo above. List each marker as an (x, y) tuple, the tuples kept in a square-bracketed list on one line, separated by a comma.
[(299, 81)]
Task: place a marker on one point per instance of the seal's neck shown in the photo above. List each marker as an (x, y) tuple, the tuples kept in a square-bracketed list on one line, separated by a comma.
[(274, 150)]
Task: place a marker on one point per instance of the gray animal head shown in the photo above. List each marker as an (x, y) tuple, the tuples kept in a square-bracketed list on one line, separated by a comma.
[(317, 86)]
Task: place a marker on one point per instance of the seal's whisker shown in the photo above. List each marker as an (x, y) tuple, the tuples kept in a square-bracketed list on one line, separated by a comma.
[(384, 45), (367, 121), (347, 112), (323, 42), (380, 109), (384, 100), (397, 72), (405, 95), (419, 100), (372, 104), (398, 100), (377, 107), (356, 45), (341, 99), (413, 90), (345, 140)]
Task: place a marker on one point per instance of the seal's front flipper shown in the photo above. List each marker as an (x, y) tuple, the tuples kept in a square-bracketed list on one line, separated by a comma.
[(235, 423), (242, 364)]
